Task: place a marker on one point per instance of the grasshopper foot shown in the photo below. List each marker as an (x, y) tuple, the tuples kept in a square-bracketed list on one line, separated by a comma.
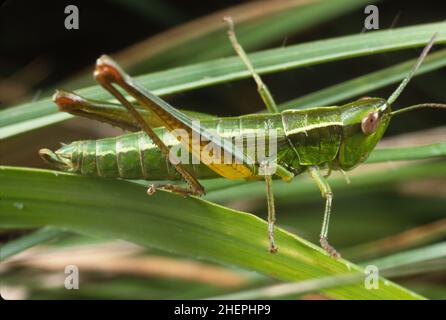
[(151, 189), (330, 250), (272, 243), (174, 188)]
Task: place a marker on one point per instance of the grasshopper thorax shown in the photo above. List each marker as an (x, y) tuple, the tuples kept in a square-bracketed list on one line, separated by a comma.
[(364, 123)]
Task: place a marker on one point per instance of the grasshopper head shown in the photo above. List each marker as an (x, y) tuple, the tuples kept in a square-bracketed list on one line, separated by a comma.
[(366, 120), (364, 123)]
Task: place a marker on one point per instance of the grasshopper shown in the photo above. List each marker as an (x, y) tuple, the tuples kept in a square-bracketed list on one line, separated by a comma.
[(308, 140)]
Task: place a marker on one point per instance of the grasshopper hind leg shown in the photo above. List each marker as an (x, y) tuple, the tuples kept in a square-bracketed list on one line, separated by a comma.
[(107, 74)]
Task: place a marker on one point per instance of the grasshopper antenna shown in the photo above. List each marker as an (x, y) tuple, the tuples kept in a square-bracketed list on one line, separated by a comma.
[(420, 106), (406, 80), (414, 69)]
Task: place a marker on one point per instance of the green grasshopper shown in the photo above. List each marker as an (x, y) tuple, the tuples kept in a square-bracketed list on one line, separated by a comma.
[(311, 140)]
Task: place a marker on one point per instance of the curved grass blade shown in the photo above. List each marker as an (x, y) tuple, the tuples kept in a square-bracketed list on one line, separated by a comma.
[(186, 43), (35, 115), (269, 22), (365, 84), (410, 257), (408, 153), (37, 237), (395, 265), (189, 226)]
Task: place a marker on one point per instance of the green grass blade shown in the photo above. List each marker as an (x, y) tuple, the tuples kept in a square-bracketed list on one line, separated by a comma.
[(291, 289), (205, 38), (37, 237), (365, 84), (394, 265), (255, 33), (408, 153), (414, 256), (35, 115), (189, 226)]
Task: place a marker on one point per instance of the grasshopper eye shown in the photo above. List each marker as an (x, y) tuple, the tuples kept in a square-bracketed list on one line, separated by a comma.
[(369, 123)]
